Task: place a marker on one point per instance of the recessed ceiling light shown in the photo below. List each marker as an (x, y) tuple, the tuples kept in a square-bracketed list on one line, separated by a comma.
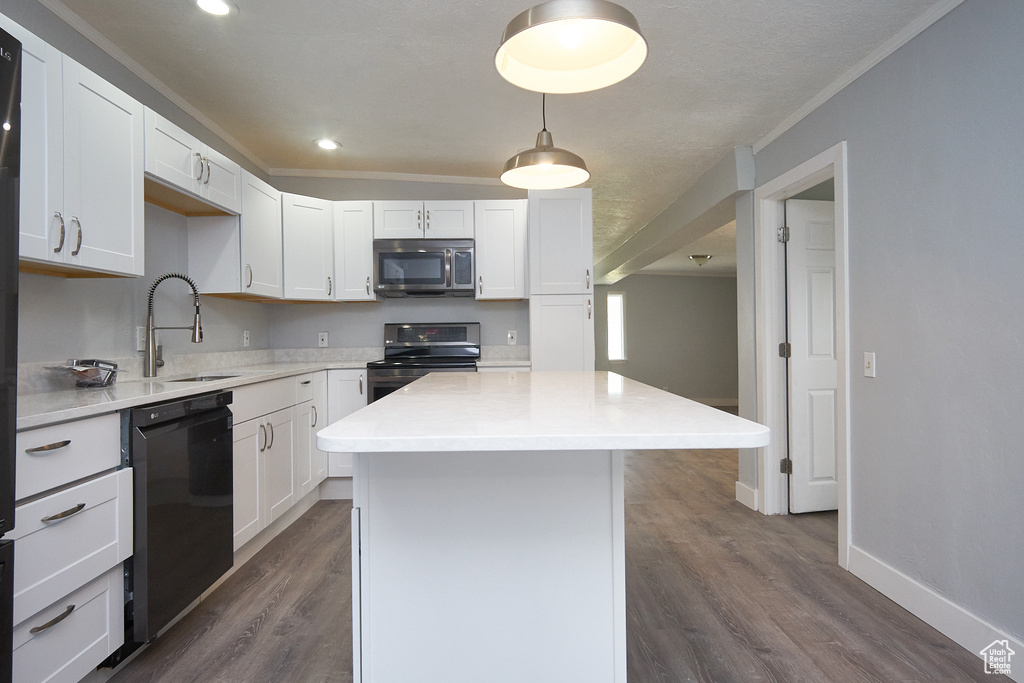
[(324, 143), (217, 7)]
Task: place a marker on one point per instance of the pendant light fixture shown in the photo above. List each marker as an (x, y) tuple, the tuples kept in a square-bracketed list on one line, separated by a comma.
[(544, 167), (570, 46)]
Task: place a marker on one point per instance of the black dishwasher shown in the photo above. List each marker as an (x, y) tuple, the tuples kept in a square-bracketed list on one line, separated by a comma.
[(181, 452)]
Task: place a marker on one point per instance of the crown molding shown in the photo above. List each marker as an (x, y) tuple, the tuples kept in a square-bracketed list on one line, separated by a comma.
[(932, 15), (381, 175), (80, 25)]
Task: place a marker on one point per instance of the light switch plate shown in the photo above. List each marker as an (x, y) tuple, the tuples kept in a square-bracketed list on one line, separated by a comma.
[(869, 363), (321, 340), (245, 337), (512, 336)]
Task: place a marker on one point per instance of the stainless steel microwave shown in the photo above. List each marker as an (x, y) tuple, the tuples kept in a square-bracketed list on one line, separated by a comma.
[(421, 267)]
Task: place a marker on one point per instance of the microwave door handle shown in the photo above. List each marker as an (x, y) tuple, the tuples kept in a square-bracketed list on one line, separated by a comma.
[(448, 268)]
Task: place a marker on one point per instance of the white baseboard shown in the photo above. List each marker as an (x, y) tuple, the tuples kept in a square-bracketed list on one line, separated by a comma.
[(952, 620), (746, 495), (336, 488)]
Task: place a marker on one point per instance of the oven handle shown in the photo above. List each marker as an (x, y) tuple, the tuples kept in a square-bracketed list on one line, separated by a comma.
[(448, 268)]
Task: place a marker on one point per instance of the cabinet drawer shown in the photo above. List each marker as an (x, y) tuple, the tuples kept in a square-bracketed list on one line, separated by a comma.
[(71, 648), (45, 461), (303, 388), (56, 557), (253, 400)]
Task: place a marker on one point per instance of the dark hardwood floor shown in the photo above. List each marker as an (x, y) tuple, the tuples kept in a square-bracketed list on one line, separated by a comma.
[(714, 592)]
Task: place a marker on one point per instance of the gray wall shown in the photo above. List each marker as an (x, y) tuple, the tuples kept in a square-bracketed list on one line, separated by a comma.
[(61, 318), (935, 167), (680, 334)]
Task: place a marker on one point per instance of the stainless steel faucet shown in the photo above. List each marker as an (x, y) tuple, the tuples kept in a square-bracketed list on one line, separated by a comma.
[(150, 364)]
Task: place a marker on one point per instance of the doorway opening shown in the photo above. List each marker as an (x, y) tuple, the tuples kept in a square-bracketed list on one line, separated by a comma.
[(771, 324)]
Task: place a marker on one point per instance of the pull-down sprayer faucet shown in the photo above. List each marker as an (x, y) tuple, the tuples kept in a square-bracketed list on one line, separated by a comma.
[(149, 365)]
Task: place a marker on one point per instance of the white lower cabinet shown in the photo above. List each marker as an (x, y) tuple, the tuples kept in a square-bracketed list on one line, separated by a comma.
[(562, 332), (310, 417), (74, 634), (346, 393), (274, 465), (71, 543)]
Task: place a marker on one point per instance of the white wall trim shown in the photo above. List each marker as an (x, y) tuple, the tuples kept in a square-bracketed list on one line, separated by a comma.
[(947, 617), (933, 14), (771, 379), (382, 175), (336, 488), (746, 495)]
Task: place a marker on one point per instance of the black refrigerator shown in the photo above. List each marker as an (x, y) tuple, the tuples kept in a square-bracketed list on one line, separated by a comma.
[(10, 161)]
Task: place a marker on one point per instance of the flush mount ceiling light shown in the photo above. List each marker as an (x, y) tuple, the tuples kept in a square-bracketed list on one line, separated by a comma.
[(544, 167), (219, 8), (700, 259), (325, 143), (569, 46)]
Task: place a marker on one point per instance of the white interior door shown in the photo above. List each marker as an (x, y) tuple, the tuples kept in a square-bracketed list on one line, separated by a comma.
[(813, 365)]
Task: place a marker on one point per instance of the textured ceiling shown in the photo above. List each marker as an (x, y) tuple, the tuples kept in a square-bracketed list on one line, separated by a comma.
[(410, 86)]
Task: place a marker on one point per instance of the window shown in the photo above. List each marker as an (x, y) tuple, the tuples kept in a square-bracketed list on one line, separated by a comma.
[(616, 326)]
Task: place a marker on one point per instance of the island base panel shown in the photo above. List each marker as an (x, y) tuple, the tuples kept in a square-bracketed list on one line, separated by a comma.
[(497, 566)]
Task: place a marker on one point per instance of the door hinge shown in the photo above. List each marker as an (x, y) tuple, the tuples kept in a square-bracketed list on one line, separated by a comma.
[(783, 234), (785, 350), (786, 466)]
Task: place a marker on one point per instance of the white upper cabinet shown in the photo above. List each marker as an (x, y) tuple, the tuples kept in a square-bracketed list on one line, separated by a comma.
[(448, 220), (308, 248), (561, 242), (501, 249), (432, 220), (176, 159), (262, 270), (240, 255), (353, 251), (81, 184)]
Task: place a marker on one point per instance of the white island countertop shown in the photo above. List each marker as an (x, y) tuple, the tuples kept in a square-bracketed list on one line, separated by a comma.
[(527, 411)]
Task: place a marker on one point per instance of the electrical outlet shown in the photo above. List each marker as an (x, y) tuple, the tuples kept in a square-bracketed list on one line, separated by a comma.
[(140, 338), (245, 337), (321, 340), (512, 336), (869, 363)]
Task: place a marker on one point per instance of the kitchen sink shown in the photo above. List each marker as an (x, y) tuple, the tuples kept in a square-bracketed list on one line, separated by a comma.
[(201, 378)]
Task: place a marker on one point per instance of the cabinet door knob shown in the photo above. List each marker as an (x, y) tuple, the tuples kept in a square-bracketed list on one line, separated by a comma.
[(53, 622), (78, 247), (60, 245), (200, 176)]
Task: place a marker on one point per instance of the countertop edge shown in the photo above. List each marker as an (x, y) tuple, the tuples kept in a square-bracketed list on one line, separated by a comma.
[(103, 400)]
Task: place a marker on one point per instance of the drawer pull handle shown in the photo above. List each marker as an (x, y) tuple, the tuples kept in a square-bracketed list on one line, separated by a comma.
[(315, 416), (78, 247), (53, 622), (64, 515), (56, 445), (61, 244), (308, 381)]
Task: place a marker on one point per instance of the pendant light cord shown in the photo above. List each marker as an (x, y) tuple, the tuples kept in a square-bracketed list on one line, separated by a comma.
[(543, 111)]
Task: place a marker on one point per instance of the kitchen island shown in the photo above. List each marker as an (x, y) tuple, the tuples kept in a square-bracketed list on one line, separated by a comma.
[(487, 523)]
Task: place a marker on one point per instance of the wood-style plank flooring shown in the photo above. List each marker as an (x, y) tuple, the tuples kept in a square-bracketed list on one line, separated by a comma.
[(714, 592)]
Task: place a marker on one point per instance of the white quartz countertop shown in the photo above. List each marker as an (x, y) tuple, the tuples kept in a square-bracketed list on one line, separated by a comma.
[(37, 410), (508, 411)]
